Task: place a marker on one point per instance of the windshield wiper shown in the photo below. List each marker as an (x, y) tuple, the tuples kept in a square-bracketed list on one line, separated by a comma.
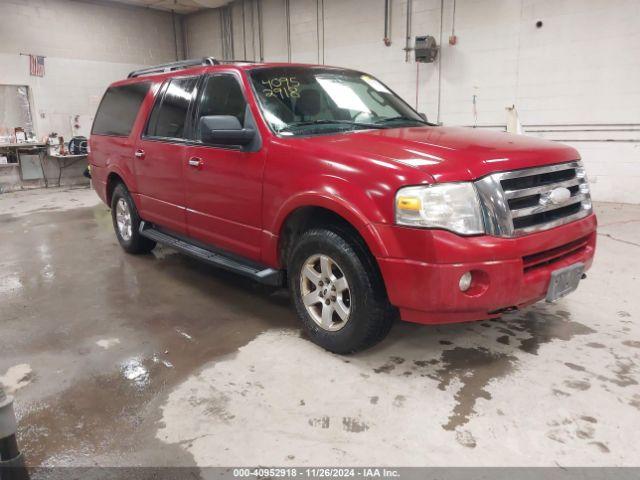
[(329, 122), (401, 117)]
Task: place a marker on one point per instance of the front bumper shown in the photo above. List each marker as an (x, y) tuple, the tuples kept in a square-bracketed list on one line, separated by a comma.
[(423, 268)]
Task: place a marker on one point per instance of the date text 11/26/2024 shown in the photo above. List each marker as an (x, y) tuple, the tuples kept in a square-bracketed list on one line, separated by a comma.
[(321, 472)]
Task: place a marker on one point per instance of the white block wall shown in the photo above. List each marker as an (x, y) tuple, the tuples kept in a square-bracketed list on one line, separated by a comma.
[(203, 37), (87, 46), (581, 68)]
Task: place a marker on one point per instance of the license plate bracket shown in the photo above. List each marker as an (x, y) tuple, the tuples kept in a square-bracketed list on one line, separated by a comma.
[(564, 281)]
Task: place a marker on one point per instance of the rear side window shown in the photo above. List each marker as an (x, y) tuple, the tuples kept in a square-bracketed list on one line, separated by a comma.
[(118, 109), (169, 114)]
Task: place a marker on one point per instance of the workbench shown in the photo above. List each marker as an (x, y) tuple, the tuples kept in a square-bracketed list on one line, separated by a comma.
[(28, 156), (29, 165), (65, 161)]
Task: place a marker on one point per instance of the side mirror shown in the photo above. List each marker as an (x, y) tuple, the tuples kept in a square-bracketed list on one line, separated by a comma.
[(225, 130)]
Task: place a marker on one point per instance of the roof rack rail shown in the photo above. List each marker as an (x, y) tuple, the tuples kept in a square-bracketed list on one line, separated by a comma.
[(237, 60), (169, 67)]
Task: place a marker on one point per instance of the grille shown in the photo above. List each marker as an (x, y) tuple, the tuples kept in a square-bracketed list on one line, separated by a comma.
[(521, 201), (556, 254)]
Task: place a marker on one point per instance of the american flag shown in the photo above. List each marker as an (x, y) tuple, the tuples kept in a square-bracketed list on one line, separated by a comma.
[(36, 65)]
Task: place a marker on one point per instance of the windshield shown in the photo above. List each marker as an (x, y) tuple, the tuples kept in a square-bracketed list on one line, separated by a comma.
[(310, 100)]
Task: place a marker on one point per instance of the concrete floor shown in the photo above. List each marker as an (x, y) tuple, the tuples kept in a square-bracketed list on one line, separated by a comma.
[(160, 360)]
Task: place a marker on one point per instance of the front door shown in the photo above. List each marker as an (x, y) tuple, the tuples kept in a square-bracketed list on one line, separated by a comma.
[(160, 155), (224, 184)]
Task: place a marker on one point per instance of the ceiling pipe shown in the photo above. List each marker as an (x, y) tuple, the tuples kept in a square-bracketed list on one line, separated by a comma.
[(452, 38), (387, 23), (232, 41), (323, 29), (253, 29), (287, 14), (438, 120), (260, 31), (175, 34), (244, 31), (223, 40), (407, 45), (320, 30), (184, 36)]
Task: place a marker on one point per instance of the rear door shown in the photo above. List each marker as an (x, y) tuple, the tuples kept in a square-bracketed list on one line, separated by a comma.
[(224, 183), (160, 154)]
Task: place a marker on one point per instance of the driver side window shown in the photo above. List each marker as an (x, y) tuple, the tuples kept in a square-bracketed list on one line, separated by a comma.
[(221, 95)]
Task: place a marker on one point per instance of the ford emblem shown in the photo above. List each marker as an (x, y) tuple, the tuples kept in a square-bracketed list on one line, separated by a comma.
[(556, 196)]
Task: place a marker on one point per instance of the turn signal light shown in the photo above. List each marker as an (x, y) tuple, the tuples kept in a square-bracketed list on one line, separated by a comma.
[(408, 203)]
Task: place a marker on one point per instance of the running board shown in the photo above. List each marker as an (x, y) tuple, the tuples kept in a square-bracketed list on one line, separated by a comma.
[(259, 273)]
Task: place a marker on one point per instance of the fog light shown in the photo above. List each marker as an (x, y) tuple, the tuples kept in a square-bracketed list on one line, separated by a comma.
[(465, 281)]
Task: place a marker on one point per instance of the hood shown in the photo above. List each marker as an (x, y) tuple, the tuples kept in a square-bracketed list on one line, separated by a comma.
[(449, 154)]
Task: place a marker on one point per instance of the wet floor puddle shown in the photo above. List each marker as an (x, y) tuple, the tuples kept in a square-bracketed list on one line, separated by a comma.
[(176, 315), (470, 370)]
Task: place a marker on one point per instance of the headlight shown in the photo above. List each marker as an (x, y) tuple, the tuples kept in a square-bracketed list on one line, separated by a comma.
[(451, 206)]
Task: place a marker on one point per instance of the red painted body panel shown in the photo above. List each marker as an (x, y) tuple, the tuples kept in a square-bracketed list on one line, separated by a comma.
[(161, 184), (453, 154), (224, 197), (240, 201), (423, 272)]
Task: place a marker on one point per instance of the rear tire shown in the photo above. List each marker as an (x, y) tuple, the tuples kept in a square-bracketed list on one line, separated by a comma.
[(337, 292), (126, 222)]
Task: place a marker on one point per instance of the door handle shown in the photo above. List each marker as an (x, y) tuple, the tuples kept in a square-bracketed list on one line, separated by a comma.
[(139, 154), (195, 162)]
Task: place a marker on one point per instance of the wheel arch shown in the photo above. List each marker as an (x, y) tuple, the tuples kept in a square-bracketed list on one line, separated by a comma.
[(314, 211), (310, 217), (113, 179)]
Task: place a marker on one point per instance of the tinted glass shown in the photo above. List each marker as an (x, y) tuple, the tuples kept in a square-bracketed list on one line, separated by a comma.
[(222, 96), (169, 116), (118, 109), (304, 100)]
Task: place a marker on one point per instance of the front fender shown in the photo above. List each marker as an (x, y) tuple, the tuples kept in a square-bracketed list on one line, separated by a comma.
[(340, 197)]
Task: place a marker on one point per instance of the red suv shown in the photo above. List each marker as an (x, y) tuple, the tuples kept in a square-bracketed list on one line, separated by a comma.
[(324, 179)]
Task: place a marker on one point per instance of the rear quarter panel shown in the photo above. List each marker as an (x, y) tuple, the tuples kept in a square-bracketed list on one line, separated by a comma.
[(114, 154), (110, 154)]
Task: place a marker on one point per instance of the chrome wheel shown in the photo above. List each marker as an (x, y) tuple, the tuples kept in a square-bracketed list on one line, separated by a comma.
[(325, 292), (123, 219)]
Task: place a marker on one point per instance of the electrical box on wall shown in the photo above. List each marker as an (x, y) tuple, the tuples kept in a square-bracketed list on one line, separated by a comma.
[(426, 49)]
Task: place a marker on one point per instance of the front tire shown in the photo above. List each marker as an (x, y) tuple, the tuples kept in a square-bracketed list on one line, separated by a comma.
[(126, 222), (337, 292)]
